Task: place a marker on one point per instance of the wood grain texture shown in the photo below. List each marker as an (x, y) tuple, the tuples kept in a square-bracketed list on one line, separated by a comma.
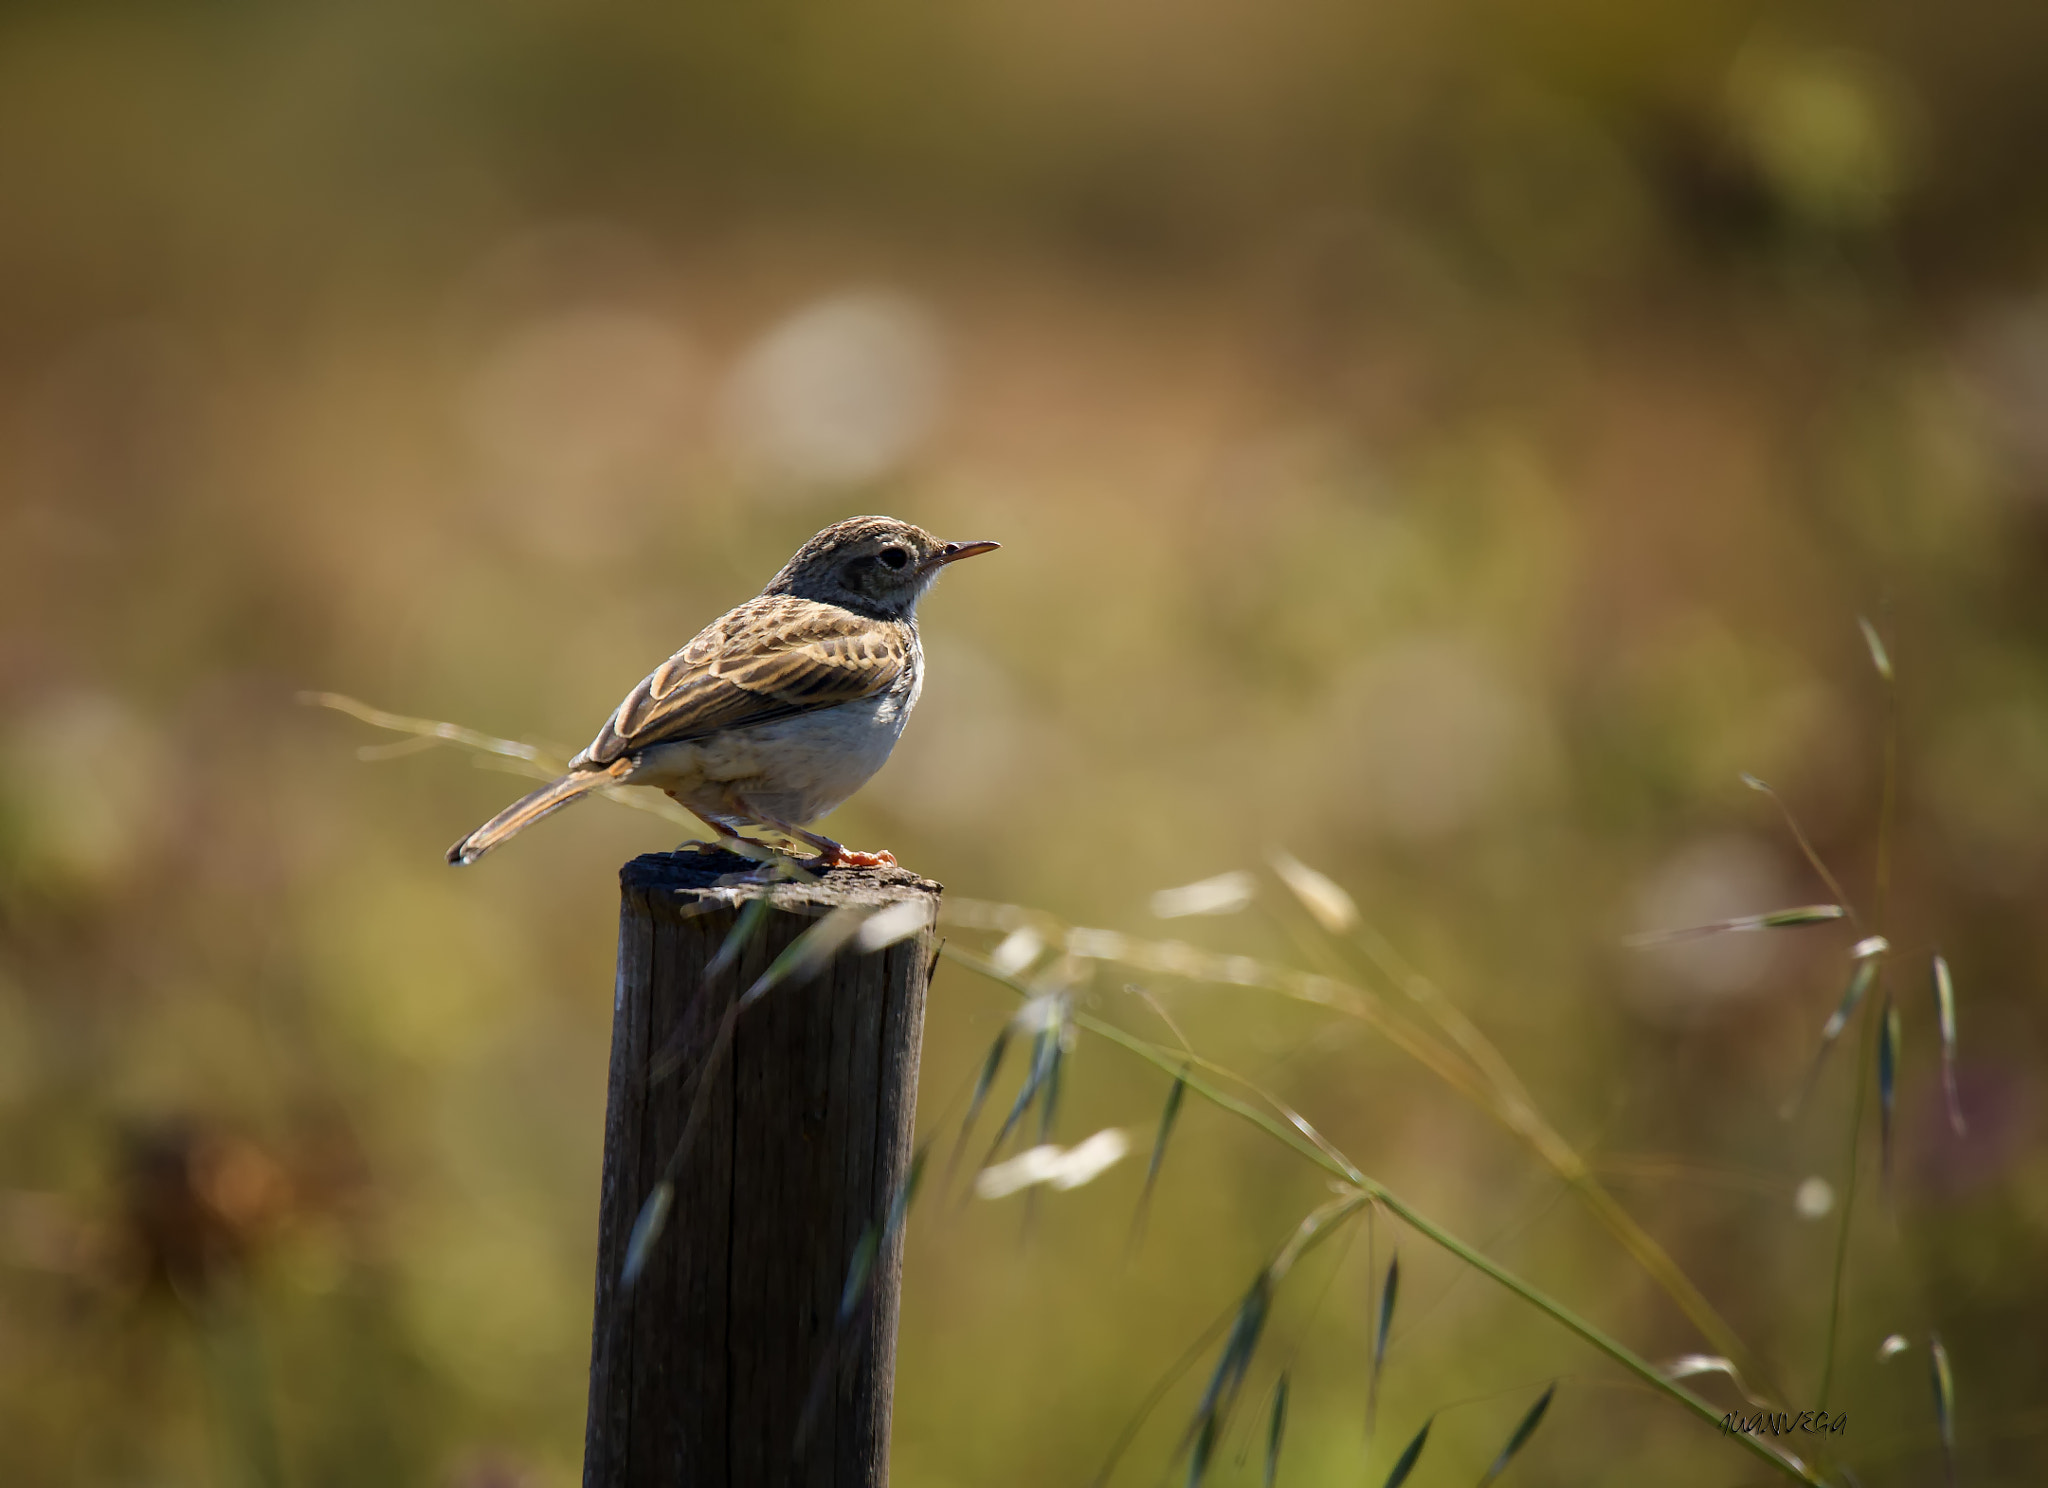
[(701, 1373)]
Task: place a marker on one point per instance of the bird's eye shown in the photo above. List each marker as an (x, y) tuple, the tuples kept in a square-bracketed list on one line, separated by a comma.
[(893, 558)]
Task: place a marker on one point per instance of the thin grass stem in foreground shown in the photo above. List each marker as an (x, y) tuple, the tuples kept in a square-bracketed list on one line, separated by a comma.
[(1174, 1063), (1472, 1067), (1880, 658), (1276, 1432)]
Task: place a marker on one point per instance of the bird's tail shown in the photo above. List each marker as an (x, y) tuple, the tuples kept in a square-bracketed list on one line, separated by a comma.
[(529, 809)]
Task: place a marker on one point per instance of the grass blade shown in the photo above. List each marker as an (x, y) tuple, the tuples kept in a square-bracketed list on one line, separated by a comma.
[(1050, 1014), (399, 749), (1383, 1321), (1806, 846), (1021, 947), (1056, 1169), (1408, 1458), (1887, 1086), (900, 921), (1777, 919), (1866, 955), (1276, 1430), (1236, 1356), (1328, 905), (514, 758), (1160, 1386), (1685, 1366), (1521, 1436), (1236, 1359), (647, 1228), (1945, 1011), (805, 956), (1879, 657), (1225, 894), (751, 918), (990, 1068), (1167, 1118), (1034, 1077), (857, 1271), (873, 1238), (1944, 1382), (428, 730), (899, 1208), (1204, 1448), (1048, 1106), (1232, 1364)]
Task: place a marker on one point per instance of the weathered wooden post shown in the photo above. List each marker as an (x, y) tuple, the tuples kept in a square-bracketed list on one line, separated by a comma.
[(702, 1372)]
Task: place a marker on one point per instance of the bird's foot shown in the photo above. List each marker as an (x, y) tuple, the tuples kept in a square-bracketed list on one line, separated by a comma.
[(851, 857)]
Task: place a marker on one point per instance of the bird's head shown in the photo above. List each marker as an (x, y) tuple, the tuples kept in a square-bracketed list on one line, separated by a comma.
[(874, 565)]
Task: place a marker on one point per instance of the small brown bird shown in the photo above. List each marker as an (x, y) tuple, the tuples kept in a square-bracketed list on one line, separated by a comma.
[(779, 709)]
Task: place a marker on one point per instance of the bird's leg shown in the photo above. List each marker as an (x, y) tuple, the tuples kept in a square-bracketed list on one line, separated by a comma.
[(830, 854), (726, 829)]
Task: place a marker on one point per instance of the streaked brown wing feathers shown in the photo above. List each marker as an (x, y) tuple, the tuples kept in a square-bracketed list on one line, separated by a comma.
[(771, 658)]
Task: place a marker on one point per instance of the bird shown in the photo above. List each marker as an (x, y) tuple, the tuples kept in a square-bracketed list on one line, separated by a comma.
[(779, 709)]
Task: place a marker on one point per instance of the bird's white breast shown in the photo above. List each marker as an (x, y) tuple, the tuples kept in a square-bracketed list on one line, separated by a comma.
[(797, 768)]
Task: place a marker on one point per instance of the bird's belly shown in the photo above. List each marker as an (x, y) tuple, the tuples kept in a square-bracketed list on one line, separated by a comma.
[(796, 769)]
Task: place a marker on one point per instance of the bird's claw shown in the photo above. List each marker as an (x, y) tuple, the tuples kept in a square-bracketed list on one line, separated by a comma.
[(849, 857)]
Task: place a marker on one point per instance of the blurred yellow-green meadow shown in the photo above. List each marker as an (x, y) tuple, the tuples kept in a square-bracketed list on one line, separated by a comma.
[(1443, 446)]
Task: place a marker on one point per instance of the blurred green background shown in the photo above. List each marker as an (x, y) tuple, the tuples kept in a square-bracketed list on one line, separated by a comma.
[(1449, 442)]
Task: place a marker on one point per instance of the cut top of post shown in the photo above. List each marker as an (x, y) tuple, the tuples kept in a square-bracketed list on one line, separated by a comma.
[(717, 877)]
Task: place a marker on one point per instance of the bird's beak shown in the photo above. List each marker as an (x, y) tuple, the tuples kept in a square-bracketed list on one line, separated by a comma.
[(954, 552)]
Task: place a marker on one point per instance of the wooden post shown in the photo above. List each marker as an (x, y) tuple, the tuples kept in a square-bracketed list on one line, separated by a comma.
[(701, 1372)]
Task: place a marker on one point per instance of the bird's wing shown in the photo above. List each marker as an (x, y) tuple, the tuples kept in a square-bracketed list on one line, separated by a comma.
[(771, 658)]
